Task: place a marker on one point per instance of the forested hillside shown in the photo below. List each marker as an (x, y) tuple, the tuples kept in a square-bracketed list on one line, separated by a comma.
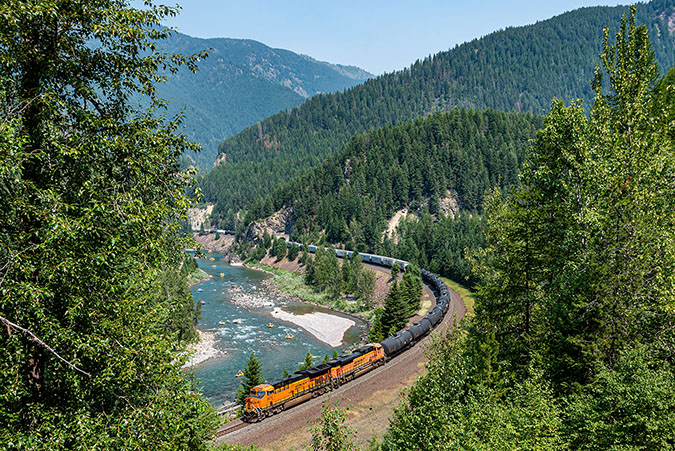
[(519, 69), (241, 82), (572, 343), (447, 157)]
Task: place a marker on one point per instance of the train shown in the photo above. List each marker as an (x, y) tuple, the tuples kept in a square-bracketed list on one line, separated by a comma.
[(277, 395)]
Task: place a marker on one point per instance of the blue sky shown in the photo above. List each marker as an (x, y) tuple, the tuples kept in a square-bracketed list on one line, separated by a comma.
[(376, 35)]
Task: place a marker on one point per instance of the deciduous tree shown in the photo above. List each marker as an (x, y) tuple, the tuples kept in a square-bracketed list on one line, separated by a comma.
[(92, 195)]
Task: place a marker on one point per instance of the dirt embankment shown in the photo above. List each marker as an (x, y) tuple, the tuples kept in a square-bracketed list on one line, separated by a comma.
[(208, 241)]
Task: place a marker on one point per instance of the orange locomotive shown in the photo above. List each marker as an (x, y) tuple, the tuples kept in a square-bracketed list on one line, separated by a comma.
[(277, 395)]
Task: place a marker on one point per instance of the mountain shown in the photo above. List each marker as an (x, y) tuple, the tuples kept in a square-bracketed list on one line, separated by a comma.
[(434, 168), (516, 69), (241, 82)]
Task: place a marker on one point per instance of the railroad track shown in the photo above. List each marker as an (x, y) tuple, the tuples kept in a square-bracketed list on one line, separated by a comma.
[(390, 347), (230, 427)]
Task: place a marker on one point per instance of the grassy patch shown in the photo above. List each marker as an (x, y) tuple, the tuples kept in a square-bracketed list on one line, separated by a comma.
[(293, 285), (426, 304), (465, 293), (198, 275)]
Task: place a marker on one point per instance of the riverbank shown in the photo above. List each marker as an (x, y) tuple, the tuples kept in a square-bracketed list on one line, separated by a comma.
[(324, 326), (208, 241), (288, 283), (204, 349), (196, 277), (291, 285)]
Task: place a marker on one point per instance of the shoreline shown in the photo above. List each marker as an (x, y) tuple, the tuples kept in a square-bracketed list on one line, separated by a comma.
[(274, 289), (326, 327), (198, 281), (203, 350)]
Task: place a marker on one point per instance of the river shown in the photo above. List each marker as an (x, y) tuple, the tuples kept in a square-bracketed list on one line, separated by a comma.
[(236, 340)]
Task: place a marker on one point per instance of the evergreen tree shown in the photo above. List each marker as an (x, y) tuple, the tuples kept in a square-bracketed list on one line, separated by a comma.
[(286, 373), (310, 270), (252, 377), (356, 269), (308, 362), (376, 333), (266, 240), (395, 270), (394, 316), (365, 287), (578, 257), (326, 272), (293, 251), (571, 343), (411, 292), (279, 249)]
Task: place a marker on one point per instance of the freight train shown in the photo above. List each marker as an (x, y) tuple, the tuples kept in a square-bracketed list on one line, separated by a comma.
[(280, 394)]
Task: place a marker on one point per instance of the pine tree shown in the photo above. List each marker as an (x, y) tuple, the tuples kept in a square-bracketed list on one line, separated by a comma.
[(266, 240), (356, 269), (376, 333), (410, 292), (395, 270), (579, 257), (293, 251), (365, 287), (308, 362), (252, 377), (279, 248), (394, 316)]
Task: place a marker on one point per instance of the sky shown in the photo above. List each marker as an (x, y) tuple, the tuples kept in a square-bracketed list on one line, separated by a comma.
[(376, 35)]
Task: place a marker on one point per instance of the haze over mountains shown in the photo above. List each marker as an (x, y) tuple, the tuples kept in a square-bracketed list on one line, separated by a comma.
[(241, 82), (517, 69)]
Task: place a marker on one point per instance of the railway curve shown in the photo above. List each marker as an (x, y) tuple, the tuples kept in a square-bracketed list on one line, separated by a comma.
[(402, 364)]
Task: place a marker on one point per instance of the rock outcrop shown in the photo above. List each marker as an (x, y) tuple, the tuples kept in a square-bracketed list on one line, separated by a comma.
[(279, 224)]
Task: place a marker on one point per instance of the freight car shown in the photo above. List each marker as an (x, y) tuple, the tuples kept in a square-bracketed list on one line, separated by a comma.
[(280, 394)]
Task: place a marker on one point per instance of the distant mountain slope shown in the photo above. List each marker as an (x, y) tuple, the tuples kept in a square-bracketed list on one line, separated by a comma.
[(242, 82), (519, 69)]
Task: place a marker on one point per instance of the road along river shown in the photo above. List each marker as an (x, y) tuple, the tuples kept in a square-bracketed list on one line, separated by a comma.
[(236, 311)]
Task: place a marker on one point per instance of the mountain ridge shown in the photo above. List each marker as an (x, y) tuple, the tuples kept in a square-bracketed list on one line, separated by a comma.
[(241, 82), (516, 69)]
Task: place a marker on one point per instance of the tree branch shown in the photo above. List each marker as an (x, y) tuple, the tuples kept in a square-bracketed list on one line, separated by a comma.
[(37, 340)]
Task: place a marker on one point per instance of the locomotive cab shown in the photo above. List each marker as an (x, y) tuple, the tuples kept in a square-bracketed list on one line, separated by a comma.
[(258, 399)]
